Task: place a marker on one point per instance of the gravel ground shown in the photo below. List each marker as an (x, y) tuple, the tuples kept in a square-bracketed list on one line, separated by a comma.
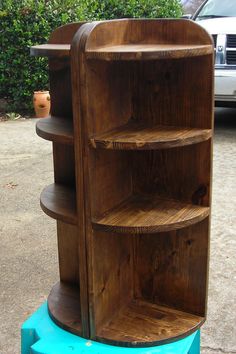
[(28, 256)]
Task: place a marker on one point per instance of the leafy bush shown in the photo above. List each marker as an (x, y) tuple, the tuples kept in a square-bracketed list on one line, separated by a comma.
[(24, 23)]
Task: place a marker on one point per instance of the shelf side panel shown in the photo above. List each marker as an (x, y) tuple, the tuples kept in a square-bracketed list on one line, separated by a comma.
[(112, 275), (172, 268), (64, 164), (68, 252), (60, 87), (182, 174), (164, 94)]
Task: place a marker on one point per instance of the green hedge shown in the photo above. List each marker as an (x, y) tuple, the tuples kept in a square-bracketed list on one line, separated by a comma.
[(24, 23)]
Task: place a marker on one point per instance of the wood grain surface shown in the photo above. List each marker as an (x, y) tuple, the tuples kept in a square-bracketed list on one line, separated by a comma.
[(142, 323), (150, 215), (147, 51), (56, 129), (133, 137)]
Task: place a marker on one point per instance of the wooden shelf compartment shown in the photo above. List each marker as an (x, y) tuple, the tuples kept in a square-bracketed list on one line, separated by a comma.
[(135, 137), (64, 306), (148, 51), (141, 324), (50, 50), (56, 129), (58, 201), (143, 214)]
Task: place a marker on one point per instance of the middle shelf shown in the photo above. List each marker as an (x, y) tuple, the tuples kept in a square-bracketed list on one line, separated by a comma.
[(136, 215), (143, 214), (136, 137), (59, 202), (128, 137)]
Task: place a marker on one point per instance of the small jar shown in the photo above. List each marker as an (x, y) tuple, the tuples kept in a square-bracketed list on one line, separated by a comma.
[(42, 103)]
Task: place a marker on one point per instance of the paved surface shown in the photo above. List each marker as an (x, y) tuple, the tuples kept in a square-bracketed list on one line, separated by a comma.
[(28, 256)]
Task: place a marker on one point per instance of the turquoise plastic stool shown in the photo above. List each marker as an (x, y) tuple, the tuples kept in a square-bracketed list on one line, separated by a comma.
[(40, 335)]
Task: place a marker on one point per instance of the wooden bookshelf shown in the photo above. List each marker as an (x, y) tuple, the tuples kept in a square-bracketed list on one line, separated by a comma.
[(131, 127)]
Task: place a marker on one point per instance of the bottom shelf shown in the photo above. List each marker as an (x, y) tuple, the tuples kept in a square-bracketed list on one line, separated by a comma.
[(143, 324), (64, 307)]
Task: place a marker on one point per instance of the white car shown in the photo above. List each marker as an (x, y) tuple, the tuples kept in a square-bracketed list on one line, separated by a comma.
[(218, 17)]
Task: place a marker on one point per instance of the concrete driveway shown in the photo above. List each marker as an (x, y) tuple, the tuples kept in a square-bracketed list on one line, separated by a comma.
[(28, 250)]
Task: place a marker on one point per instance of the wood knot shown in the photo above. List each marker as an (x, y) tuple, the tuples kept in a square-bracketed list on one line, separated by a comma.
[(199, 194)]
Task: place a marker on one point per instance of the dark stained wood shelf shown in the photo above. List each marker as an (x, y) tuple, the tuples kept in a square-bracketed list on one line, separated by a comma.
[(64, 306), (133, 137), (144, 324), (58, 130), (148, 51), (50, 50), (58, 202), (132, 203), (139, 215)]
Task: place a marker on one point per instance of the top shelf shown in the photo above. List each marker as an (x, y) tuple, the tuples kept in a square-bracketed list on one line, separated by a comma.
[(50, 50), (126, 51), (148, 51)]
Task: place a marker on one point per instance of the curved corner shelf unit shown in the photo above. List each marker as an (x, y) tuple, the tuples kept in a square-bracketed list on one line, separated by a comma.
[(148, 51), (56, 129), (140, 215), (131, 198), (134, 137), (58, 202)]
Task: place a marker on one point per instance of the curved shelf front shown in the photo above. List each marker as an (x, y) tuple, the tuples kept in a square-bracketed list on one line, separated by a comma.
[(141, 324), (133, 137), (59, 203), (141, 214), (64, 307), (148, 51), (58, 130), (50, 50)]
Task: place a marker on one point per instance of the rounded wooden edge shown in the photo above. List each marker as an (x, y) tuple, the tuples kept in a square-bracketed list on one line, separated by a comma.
[(108, 144), (70, 219), (152, 229), (60, 137), (64, 307), (137, 344), (153, 343), (50, 50), (152, 55)]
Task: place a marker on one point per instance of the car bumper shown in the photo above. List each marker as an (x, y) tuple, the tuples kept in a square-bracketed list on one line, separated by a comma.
[(225, 85)]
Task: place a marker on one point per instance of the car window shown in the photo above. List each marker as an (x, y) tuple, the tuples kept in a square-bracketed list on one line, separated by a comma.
[(217, 8)]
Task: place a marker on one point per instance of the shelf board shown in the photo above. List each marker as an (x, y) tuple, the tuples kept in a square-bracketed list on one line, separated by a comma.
[(64, 307), (58, 130), (50, 50), (144, 324), (59, 203), (135, 137), (148, 51), (142, 214)]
